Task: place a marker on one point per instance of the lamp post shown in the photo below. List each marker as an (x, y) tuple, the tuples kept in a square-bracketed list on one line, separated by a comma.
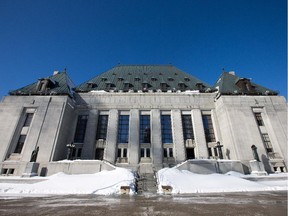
[(218, 146), (70, 147)]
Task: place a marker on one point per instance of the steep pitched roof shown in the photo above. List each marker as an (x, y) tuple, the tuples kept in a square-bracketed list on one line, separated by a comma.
[(144, 78), (57, 84), (229, 83)]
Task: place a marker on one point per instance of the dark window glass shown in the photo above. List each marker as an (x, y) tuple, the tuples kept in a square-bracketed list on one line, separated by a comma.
[(187, 127), (190, 153), (259, 119), (80, 129), (147, 152), (123, 129), (267, 142), (125, 152), (102, 127), (166, 129), (145, 129), (20, 144), (165, 153), (142, 152), (119, 152), (208, 128), (28, 120), (79, 152)]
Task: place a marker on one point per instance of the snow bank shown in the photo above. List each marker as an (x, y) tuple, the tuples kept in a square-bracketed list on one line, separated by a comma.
[(183, 181), (104, 183)]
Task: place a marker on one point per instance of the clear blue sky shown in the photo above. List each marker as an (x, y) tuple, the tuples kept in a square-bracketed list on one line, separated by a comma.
[(89, 37)]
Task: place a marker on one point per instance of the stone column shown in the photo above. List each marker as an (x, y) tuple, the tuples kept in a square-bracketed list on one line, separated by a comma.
[(133, 146), (201, 145), (89, 142), (178, 138), (111, 140), (156, 140)]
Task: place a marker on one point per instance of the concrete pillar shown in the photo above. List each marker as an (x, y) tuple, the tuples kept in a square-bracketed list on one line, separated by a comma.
[(201, 145), (111, 140), (178, 138), (88, 150), (156, 141), (133, 145)]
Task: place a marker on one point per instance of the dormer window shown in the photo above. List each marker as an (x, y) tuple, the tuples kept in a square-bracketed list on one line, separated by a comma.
[(245, 85), (200, 86), (127, 86), (44, 84), (91, 85), (163, 86), (170, 79), (186, 79), (120, 79), (182, 86), (153, 78), (145, 86), (103, 79), (108, 86), (137, 78)]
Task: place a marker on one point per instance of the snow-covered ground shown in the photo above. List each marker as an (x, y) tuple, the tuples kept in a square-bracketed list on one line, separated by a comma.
[(103, 183), (183, 181), (109, 182)]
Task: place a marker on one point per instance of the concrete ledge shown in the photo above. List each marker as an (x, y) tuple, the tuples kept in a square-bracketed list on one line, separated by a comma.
[(209, 166), (78, 167)]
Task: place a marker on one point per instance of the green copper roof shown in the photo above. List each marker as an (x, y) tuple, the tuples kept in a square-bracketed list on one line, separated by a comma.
[(57, 84), (229, 84), (144, 78)]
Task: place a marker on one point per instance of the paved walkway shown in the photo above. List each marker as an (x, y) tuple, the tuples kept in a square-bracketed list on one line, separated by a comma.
[(246, 204)]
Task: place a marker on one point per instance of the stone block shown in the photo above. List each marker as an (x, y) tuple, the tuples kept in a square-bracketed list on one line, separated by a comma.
[(257, 168), (31, 169)]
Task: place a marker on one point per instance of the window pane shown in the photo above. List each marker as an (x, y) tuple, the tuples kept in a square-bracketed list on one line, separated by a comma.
[(123, 129), (102, 127), (208, 128), (20, 144), (166, 129), (28, 120), (187, 127), (259, 119), (80, 129), (145, 130)]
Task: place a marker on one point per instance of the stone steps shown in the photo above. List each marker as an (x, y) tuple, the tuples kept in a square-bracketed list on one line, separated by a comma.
[(146, 183)]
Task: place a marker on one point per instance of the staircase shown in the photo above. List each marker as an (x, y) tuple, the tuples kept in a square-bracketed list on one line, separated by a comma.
[(146, 183)]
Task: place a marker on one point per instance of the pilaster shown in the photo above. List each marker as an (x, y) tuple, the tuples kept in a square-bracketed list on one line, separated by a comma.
[(178, 138), (156, 141), (133, 145), (111, 140), (201, 145)]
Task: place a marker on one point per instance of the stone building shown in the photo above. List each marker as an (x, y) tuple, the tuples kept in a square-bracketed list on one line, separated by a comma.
[(142, 117)]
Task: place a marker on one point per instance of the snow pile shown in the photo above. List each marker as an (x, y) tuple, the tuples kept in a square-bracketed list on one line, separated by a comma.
[(183, 181), (104, 183)]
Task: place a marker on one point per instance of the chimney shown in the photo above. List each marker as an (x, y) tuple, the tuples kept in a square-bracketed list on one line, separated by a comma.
[(55, 72), (232, 72)]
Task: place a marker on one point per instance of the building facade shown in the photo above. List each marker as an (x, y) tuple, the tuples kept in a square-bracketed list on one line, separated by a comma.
[(141, 117)]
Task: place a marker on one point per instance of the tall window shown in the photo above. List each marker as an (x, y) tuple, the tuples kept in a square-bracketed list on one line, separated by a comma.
[(102, 127), (28, 120), (20, 144), (80, 129), (123, 129), (166, 129), (208, 128), (267, 142), (187, 127), (145, 131), (259, 119)]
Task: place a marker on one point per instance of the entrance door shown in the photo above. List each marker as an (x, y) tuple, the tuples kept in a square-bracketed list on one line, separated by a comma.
[(99, 154), (190, 153)]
